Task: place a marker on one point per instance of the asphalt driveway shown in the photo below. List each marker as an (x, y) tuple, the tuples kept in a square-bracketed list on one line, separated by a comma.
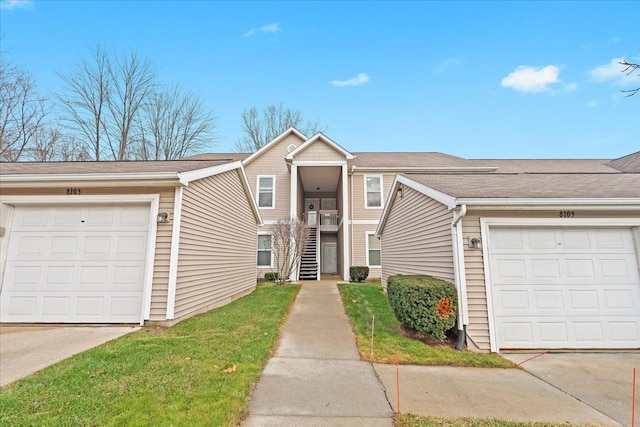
[(28, 349), (603, 381)]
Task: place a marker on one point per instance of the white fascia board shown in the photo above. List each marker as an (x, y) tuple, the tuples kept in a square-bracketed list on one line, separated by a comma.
[(77, 199), (276, 140), (319, 136), (90, 180), (416, 169), (319, 163), (592, 203), (252, 200), (445, 199), (387, 207), (194, 175)]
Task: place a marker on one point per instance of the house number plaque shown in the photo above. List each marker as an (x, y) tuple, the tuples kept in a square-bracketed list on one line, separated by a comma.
[(73, 191), (567, 214)]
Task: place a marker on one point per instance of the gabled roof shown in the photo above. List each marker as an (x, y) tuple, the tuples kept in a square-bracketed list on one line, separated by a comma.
[(276, 140), (629, 163), (315, 138)]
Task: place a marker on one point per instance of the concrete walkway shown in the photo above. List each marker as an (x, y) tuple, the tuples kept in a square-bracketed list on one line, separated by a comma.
[(316, 377)]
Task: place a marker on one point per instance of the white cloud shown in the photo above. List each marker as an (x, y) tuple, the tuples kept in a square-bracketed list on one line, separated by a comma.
[(267, 28), (592, 104), (358, 80), (532, 79), (16, 4), (613, 72), (447, 63)]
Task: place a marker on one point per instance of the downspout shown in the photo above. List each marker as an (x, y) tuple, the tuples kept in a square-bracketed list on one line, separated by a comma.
[(351, 213), (458, 274)]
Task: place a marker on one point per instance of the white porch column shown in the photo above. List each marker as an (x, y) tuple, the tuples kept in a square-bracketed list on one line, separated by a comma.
[(345, 223), (293, 210)]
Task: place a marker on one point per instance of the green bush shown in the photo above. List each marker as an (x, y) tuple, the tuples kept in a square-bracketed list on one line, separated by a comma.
[(271, 276), (358, 273), (423, 303)]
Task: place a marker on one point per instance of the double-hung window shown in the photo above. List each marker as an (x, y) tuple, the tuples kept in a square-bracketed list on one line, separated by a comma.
[(374, 258), (266, 191), (264, 250), (373, 191)]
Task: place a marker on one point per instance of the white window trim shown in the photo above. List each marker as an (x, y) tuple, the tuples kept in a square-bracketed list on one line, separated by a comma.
[(366, 245), (273, 200), (265, 233), (381, 191)]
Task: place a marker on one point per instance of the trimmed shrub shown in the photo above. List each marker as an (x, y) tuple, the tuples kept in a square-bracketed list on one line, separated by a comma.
[(271, 276), (358, 273), (423, 303)]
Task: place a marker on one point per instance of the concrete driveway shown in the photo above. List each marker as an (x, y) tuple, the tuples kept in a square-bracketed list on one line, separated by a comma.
[(603, 381), (28, 349)]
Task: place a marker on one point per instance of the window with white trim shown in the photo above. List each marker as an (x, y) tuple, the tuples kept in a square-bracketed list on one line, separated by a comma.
[(373, 191), (265, 250), (374, 256), (266, 191)]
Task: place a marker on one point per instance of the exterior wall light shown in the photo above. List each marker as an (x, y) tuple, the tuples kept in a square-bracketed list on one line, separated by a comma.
[(163, 218), (399, 191), (475, 243)]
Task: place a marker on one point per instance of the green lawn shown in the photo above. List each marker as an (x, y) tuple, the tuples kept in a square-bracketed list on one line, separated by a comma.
[(364, 300), (172, 377)]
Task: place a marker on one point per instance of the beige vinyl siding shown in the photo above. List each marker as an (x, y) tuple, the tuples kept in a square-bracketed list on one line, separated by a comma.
[(478, 328), (358, 196), (271, 162), (359, 247), (218, 243), (159, 285), (160, 288), (319, 151), (417, 238)]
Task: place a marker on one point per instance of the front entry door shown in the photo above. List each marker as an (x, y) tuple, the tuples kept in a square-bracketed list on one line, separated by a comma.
[(311, 207), (329, 258)]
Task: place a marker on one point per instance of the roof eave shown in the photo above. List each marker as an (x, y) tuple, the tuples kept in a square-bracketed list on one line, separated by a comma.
[(156, 179)]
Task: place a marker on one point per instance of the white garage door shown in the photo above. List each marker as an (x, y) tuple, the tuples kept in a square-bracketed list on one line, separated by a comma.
[(575, 288), (82, 264)]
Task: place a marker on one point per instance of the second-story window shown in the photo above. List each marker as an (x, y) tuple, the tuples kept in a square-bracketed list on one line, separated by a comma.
[(266, 191), (373, 191)]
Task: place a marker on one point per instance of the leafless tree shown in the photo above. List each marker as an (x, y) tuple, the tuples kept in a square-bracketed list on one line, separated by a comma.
[(174, 124), (85, 99), (629, 69), (22, 111), (289, 238), (132, 83), (260, 128)]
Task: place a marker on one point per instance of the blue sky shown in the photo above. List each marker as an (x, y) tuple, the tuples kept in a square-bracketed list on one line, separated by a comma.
[(473, 79)]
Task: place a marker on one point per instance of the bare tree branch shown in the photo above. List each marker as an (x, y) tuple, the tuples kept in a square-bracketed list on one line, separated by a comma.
[(629, 69), (133, 81), (258, 130), (289, 238), (22, 111), (85, 98), (174, 124)]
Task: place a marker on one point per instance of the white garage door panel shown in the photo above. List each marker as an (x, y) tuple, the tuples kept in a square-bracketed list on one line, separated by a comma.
[(565, 288), (75, 264)]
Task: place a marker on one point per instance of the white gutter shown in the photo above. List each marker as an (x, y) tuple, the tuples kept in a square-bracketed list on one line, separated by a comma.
[(459, 275)]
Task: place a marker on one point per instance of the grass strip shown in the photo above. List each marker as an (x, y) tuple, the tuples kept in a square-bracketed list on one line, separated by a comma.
[(366, 300), (408, 420), (199, 372)]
